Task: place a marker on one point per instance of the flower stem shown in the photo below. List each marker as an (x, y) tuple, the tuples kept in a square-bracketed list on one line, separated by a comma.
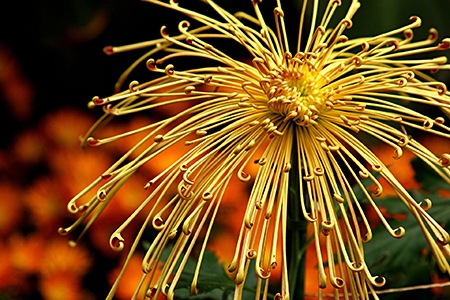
[(296, 231)]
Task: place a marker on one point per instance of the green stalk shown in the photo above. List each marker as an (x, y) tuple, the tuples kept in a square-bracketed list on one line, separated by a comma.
[(296, 231)]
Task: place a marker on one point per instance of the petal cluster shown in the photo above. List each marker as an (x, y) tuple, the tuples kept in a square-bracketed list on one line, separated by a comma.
[(302, 117)]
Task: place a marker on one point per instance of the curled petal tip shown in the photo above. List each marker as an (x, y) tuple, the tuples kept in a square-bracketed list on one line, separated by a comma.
[(445, 160), (399, 232), (445, 44), (72, 208), (432, 34), (416, 20), (378, 281), (116, 242), (62, 231), (109, 50), (337, 282)]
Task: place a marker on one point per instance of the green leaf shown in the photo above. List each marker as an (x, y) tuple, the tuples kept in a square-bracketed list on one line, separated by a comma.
[(213, 281), (403, 262)]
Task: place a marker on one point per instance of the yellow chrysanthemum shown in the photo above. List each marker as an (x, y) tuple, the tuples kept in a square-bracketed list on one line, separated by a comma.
[(299, 114)]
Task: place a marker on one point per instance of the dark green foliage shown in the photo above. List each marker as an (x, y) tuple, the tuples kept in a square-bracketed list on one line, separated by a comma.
[(408, 261), (213, 282)]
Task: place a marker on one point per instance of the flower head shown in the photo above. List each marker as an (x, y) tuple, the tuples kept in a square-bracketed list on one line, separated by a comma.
[(301, 114)]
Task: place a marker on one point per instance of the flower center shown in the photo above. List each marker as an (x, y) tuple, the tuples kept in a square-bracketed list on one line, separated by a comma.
[(297, 92)]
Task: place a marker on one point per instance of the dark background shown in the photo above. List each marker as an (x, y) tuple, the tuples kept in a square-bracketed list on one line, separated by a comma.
[(58, 44)]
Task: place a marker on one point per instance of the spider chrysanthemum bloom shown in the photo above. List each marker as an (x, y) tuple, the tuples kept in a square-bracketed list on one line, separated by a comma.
[(297, 111)]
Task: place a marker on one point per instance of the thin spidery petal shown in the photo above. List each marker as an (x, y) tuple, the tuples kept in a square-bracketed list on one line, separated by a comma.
[(274, 121)]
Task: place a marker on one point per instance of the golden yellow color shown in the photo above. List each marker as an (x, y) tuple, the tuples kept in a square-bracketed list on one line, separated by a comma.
[(314, 100)]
